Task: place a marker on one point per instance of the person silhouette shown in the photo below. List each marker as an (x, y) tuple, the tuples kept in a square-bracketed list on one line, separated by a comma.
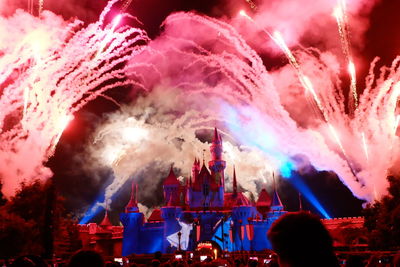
[(300, 239), (86, 258)]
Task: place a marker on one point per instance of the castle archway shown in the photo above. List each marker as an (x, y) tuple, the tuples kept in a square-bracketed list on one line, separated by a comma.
[(208, 248)]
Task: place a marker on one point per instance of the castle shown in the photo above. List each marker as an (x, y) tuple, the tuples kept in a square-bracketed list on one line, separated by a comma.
[(200, 213)]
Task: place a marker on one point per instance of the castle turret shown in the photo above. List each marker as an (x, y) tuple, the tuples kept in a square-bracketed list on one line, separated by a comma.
[(172, 188), (133, 221), (105, 223), (217, 165), (132, 205)]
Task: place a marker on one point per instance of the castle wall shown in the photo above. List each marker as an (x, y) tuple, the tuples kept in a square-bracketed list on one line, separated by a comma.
[(133, 223), (151, 237)]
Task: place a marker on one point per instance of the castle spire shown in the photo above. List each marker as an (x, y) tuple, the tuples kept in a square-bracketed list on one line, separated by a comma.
[(132, 205), (216, 135), (276, 201), (171, 178), (106, 221)]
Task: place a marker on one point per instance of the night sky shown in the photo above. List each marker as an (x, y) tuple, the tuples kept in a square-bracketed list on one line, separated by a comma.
[(81, 190)]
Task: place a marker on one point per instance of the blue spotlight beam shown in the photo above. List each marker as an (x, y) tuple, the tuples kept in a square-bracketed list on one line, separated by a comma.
[(97, 207), (93, 211), (247, 127), (306, 192)]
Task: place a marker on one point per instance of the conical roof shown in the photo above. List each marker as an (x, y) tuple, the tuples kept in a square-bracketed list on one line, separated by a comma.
[(264, 199), (276, 201), (132, 205), (106, 220), (155, 216), (204, 171), (216, 135), (171, 178)]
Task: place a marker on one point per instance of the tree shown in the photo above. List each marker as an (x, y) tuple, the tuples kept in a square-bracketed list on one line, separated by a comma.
[(35, 216), (17, 236), (382, 218)]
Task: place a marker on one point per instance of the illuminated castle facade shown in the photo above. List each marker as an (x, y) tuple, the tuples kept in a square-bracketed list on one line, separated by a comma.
[(201, 211)]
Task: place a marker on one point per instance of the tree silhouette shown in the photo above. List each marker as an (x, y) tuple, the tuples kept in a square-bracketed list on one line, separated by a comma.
[(382, 218), (33, 220)]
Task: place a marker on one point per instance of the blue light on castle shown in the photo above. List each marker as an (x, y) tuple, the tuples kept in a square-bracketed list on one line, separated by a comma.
[(201, 211)]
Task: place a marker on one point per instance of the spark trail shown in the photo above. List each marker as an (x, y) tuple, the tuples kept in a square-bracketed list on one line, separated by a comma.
[(49, 71), (308, 86), (341, 19)]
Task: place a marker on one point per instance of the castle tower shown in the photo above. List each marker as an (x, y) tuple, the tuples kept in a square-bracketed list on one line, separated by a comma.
[(132, 205), (172, 188), (217, 166)]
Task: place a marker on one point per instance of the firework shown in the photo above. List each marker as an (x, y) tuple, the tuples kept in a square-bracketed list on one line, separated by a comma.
[(47, 74), (341, 19)]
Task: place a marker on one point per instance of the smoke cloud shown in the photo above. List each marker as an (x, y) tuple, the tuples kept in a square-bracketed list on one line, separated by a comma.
[(142, 141), (271, 114)]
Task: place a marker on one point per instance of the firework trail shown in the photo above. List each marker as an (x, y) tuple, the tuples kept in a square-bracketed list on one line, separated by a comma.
[(307, 84), (48, 71), (126, 5), (341, 19), (305, 81)]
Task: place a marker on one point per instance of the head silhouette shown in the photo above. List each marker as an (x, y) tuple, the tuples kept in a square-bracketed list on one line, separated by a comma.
[(300, 239), (86, 258)]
